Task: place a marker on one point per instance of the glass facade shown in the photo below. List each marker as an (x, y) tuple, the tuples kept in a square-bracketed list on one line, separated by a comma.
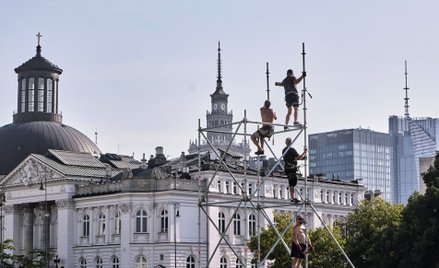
[(353, 154), (412, 138)]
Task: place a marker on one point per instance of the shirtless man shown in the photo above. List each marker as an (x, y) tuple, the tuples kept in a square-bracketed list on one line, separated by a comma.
[(268, 116), (298, 249), (291, 95)]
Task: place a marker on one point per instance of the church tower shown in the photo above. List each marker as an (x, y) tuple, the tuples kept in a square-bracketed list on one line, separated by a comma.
[(221, 119)]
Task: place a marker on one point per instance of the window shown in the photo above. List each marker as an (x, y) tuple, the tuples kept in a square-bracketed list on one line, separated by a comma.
[(190, 262), (235, 188), (117, 222), (220, 189), (221, 222), (31, 95), (238, 263), (250, 189), (98, 262), (23, 95), (85, 225), (236, 224), (164, 221), (101, 223), (252, 225), (49, 95), (227, 187), (141, 262), (223, 262), (83, 263), (115, 262), (141, 221), (40, 95)]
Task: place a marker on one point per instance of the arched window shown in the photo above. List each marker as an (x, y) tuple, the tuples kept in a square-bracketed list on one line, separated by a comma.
[(190, 262), (236, 224), (141, 221), (252, 225), (101, 223), (164, 221), (98, 262), (238, 263), (141, 262), (85, 225), (221, 222), (115, 262), (117, 222), (223, 262), (83, 262)]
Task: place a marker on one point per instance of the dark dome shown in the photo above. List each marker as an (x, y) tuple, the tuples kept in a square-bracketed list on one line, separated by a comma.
[(18, 140), (38, 63)]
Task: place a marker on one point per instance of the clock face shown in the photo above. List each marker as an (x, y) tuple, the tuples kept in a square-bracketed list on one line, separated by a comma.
[(223, 106), (215, 106)]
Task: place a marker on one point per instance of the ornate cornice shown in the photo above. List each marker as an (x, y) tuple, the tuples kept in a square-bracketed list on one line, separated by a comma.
[(65, 203)]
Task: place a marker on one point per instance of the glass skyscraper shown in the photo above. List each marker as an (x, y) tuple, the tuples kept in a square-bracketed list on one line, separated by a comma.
[(353, 154), (412, 139)]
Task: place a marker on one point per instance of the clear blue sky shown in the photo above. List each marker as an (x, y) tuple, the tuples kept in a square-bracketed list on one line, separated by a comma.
[(141, 72)]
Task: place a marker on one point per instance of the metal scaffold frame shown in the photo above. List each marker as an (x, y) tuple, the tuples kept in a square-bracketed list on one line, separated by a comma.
[(253, 199)]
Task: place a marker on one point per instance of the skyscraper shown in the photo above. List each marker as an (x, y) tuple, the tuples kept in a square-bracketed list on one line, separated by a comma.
[(412, 139), (353, 154)]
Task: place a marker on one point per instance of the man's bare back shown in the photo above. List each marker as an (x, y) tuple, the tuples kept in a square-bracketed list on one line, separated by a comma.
[(267, 115)]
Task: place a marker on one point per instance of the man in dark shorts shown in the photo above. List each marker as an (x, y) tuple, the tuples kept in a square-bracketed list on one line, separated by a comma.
[(291, 95), (266, 131), (290, 159), (298, 247)]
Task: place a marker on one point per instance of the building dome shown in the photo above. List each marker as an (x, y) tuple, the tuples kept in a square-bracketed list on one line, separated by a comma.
[(18, 140), (37, 125)]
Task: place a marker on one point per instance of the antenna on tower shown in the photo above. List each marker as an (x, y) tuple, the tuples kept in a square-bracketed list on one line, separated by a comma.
[(268, 82), (406, 99)]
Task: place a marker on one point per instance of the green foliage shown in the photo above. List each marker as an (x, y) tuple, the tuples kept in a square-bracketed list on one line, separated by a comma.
[(6, 259), (419, 234), (326, 252), (371, 231), (34, 260), (268, 237)]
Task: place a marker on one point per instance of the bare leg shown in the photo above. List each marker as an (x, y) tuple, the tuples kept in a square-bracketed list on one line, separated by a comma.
[(292, 193), (296, 113), (256, 142), (299, 262), (287, 118)]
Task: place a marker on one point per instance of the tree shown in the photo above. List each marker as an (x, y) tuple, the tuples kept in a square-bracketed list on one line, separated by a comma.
[(268, 237), (370, 233), (6, 259), (326, 252), (419, 233)]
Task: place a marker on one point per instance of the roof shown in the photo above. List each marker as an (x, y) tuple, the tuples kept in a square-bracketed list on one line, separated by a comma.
[(38, 62), (76, 159)]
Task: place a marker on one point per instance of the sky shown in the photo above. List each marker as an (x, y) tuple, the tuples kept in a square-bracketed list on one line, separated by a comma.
[(140, 73)]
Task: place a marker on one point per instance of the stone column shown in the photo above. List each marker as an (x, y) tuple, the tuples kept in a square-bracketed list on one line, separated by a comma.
[(126, 234), (66, 226), (12, 227), (28, 228)]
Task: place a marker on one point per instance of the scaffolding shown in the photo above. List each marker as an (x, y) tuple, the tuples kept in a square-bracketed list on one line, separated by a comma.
[(254, 199)]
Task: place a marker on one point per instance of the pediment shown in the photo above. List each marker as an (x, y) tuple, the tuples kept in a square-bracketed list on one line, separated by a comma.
[(31, 171)]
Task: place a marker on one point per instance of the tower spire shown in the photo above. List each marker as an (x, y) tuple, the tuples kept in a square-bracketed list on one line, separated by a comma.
[(406, 99), (219, 81)]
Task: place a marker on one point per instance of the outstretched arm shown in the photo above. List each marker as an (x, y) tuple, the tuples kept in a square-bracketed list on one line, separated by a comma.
[(303, 155)]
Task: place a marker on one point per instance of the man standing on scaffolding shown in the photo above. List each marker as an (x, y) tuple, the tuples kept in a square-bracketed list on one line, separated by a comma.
[(291, 95), (290, 158), (266, 131)]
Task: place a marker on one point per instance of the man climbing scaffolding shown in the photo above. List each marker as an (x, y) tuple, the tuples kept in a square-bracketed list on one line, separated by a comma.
[(290, 158), (267, 116), (291, 95)]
